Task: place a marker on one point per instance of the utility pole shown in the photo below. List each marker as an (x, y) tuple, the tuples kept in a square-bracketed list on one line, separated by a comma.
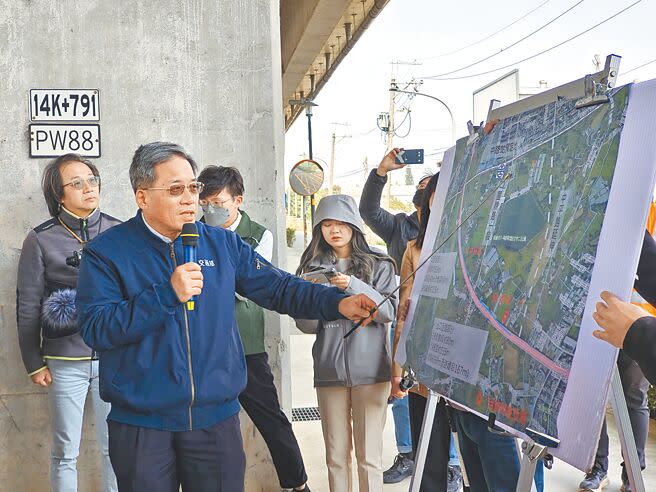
[(417, 93), (390, 135), (331, 181)]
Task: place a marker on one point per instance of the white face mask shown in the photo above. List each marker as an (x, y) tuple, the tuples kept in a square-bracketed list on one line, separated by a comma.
[(215, 216)]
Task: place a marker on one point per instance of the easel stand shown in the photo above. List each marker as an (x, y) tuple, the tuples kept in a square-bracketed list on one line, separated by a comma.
[(625, 431), (531, 454), (589, 90), (424, 439)]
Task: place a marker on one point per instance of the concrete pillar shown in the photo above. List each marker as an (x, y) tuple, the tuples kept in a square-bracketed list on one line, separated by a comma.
[(202, 74)]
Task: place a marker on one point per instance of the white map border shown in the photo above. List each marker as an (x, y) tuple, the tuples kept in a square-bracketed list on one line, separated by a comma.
[(584, 403)]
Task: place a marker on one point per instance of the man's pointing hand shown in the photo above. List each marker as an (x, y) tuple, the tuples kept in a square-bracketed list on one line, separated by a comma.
[(357, 308)]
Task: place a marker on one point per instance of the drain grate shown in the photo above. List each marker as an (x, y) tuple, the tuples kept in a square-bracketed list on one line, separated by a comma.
[(303, 414)]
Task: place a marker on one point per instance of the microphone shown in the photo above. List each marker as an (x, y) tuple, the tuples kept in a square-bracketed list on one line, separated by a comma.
[(189, 241)]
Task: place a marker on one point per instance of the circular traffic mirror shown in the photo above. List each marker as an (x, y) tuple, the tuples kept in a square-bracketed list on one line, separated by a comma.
[(306, 177)]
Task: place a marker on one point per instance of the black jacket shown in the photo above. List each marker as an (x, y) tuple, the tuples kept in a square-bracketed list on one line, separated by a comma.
[(395, 230), (640, 341), (42, 269)]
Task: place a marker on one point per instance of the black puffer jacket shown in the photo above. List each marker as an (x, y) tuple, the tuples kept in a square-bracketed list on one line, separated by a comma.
[(42, 269), (640, 341), (395, 230)]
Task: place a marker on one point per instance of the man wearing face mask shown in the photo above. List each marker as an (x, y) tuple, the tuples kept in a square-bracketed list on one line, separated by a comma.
[(396, 231), (220, 200)]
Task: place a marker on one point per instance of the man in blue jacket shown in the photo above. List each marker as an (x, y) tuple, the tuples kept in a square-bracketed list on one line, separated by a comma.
[(173, 375)]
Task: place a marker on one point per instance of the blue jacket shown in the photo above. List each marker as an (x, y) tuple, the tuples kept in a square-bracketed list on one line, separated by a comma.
[(162, 366)]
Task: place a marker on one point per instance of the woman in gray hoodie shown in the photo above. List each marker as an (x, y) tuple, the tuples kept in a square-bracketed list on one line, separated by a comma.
[(351, 375)]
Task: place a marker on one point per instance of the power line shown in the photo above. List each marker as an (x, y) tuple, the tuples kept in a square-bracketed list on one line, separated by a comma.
[(488, 36), (350, 173), (513, 44), (409, 118), (541, 52), (638, 67), (367, 132), (407, 113)]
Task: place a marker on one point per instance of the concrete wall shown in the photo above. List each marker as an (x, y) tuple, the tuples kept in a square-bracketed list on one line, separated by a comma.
[(203, 74)]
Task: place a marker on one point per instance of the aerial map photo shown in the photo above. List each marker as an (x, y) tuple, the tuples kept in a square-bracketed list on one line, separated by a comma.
[(497, 320)]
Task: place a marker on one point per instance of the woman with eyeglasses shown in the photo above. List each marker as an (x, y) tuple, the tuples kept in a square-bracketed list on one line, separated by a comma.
[(54, 354)]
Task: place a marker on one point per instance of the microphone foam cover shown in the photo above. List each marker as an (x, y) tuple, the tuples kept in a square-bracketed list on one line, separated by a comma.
[(189, 234)]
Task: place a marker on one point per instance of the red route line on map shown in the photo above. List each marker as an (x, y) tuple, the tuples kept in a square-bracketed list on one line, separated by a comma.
[(505, 332)]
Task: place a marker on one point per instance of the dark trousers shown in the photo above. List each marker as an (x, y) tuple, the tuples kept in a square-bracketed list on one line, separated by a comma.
[(635, 387), (491, 460), (260, 401), (437, 459), (204, 460)]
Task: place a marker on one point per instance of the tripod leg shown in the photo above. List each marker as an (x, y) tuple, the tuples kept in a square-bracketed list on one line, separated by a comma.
[(424, 439), (531, 454), (623, 423)]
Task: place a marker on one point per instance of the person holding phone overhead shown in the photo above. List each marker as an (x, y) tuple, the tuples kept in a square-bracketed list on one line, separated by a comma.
[(352, 376), (396, 230)]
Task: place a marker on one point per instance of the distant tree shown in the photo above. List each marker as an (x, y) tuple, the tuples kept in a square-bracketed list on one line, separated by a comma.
[(396, 204), (409, 180)]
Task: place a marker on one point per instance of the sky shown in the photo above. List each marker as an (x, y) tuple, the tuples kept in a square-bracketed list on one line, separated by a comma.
[(419, 31)]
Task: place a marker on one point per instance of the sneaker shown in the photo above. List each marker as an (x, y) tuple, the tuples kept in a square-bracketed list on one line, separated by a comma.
[(595, 480), (400, 470), (454, 478)]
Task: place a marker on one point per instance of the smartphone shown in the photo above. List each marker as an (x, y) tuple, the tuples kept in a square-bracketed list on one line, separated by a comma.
[(321, 276), (410, 156)]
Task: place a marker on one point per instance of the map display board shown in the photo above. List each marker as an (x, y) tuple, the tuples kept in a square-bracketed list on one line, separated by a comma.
[(498, 314)]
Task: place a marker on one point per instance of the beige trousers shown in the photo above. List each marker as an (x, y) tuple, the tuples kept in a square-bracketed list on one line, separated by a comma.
[(349, 415)]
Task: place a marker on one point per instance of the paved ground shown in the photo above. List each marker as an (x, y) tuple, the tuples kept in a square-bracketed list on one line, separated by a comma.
[(563, 478)]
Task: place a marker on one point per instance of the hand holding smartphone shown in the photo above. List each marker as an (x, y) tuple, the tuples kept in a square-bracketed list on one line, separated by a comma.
[(321, 276), (410, 156)]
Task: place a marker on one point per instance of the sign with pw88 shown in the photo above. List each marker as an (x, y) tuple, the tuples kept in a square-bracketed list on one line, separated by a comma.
[(56, 140)]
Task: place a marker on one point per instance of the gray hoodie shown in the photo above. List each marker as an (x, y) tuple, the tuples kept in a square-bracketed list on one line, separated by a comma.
[(365, 356)]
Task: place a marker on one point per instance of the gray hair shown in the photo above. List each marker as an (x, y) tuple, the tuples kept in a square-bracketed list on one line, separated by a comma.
[(146, 158)]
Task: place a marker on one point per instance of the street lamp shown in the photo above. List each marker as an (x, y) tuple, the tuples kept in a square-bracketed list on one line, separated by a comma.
[(308, 104), (415, 93)]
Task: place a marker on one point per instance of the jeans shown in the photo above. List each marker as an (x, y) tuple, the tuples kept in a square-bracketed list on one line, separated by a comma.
[(401, 416), (538, 478), (453, 452), (491, 460), (71, 381)]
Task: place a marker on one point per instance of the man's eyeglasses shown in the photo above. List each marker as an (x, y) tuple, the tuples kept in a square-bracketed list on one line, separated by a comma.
[(215, 203), (178, 189), (78, 183)]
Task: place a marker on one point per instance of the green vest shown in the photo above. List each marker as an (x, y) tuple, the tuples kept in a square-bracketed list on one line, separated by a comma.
[(250, 316)]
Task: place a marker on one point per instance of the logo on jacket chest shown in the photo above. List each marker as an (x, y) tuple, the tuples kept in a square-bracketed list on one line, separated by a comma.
[(206, 263)]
